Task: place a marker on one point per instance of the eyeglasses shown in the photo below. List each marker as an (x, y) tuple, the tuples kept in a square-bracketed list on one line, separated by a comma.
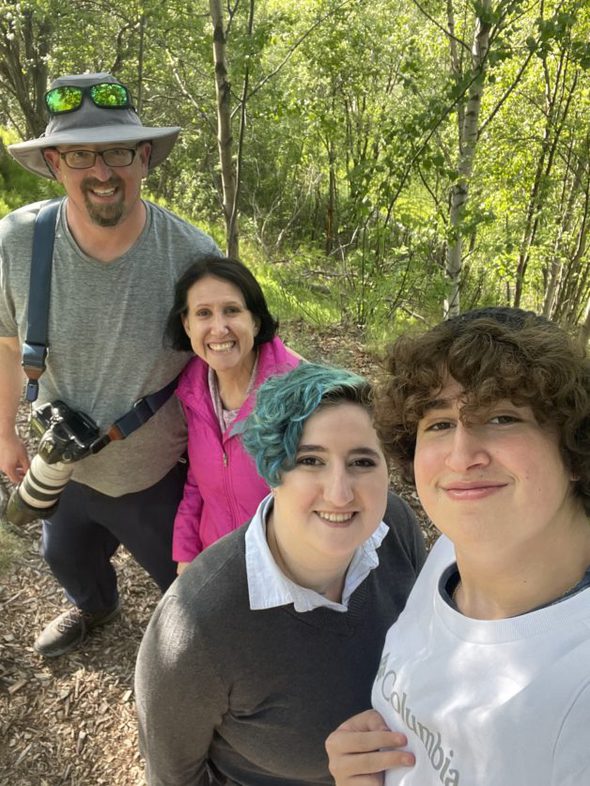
[(106, 95), (113, 157)]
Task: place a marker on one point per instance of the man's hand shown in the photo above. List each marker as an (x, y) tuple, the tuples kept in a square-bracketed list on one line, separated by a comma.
[(362, 748), (14, 461)]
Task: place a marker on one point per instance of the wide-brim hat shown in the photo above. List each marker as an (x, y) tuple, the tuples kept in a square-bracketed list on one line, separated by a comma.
[(92, 125)]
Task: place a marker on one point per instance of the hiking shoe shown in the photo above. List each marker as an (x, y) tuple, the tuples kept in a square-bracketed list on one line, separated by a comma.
[(69, 629)]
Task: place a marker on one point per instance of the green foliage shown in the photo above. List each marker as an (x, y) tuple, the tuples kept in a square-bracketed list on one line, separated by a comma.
[(351, 146), (17, 186), (294, 292), (10, 549)]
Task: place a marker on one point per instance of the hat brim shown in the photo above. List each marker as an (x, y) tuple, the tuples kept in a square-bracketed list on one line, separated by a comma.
[(30, 154)]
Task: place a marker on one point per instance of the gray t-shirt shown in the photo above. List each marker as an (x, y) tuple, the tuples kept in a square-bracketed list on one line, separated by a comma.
[(106, 325)]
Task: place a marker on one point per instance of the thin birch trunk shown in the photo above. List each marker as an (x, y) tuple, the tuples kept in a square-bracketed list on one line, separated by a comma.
[(224, 131), (468, 136), (578, 170), (574, 289), (584, 332), (555, 117)]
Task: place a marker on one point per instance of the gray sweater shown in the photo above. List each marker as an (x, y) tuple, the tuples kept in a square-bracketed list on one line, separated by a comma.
[(226, 695)]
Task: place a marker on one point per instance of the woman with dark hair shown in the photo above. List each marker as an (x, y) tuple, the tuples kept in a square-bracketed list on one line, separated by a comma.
[(220, 312), (487, 671), (272, 636)]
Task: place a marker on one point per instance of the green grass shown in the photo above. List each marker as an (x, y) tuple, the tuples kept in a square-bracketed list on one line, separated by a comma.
[(11, 547)]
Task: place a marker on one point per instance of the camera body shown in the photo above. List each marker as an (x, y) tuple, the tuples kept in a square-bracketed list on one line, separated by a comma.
[(66, 436)]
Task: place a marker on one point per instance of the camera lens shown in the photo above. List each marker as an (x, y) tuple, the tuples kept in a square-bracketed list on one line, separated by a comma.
[(39, 492)]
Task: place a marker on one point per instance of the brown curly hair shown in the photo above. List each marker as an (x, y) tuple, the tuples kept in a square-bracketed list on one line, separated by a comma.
[(493, 353)]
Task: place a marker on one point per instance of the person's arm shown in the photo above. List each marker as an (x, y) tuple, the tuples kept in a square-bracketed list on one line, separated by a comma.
[(14, 460), (179, 695), (186, 540), (362, 748)]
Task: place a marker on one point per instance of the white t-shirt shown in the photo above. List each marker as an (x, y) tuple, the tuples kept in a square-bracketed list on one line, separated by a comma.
[(487, 702)]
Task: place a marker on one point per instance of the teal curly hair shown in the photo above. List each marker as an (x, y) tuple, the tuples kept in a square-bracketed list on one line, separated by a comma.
[(272, 432)]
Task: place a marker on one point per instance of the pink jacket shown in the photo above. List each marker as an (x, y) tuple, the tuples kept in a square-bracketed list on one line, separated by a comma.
[(222, 488)]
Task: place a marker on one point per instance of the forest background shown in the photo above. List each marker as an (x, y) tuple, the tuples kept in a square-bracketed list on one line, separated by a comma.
[(378, 164)]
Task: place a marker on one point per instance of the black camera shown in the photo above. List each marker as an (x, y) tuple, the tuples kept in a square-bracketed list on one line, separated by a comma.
[(66, 436)]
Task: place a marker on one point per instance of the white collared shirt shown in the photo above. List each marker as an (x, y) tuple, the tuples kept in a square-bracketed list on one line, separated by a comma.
[(268, 586)]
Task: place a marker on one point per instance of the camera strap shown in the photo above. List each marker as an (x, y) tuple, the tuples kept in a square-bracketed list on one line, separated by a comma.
[(140, 413), (35, 345)]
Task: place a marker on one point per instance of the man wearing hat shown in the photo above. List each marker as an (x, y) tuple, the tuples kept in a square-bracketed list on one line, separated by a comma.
[(115, 261)]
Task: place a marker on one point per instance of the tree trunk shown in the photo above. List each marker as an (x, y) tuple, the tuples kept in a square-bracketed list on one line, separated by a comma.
[(468, 135), (573, 292), (140, 62), (577, 173), (556, 115), (224, 131), (584, 332), (331, 207), (24, 54)]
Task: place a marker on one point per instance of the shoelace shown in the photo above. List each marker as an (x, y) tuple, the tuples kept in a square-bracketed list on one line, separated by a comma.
[(72, 619)]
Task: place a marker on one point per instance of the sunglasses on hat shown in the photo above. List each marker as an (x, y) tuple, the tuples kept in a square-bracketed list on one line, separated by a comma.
[(106, 95)]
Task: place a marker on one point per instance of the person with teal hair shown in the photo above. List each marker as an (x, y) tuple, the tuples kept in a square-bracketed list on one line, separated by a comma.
[(272, 635)]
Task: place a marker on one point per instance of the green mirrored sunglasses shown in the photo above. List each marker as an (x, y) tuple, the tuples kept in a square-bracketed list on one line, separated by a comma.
[(106, 95)]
